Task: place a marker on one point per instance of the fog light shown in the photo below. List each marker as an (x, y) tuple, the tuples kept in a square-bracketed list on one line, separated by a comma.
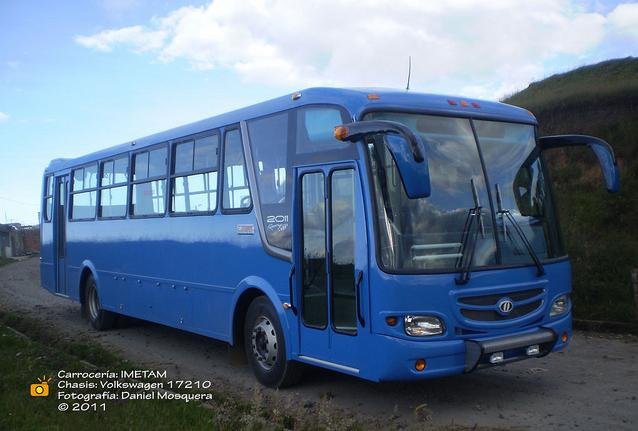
[(496, 358), (559, 306), (533, 350), (419, 365), (423, 326)]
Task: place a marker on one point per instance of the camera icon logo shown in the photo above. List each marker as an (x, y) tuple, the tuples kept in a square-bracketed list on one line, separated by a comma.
[(40, 389)]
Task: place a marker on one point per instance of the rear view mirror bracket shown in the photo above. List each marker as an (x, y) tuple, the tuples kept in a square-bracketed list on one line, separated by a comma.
[(410, 160), (603, 151)]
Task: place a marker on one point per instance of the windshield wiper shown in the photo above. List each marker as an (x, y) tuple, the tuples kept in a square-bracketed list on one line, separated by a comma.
[(467, 249), (506, 213)]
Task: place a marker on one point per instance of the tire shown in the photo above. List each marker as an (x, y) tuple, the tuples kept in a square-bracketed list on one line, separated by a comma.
[(266, 348), (98, 318)]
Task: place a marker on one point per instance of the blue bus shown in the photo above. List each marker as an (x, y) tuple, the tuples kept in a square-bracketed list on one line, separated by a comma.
[(384, 234)]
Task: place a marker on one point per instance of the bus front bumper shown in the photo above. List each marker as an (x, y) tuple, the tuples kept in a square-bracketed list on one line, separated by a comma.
[(396, 358)]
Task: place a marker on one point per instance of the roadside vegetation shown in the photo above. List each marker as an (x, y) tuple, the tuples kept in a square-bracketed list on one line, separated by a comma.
[(43, 352), (600, 229)]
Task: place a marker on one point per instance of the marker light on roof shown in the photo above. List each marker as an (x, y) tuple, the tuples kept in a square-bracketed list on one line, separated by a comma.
[(295, 96), (452, 102), (464, 104), (373, 96), (476, 105)]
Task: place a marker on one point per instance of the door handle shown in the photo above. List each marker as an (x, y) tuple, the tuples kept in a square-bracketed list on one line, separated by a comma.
[(358, 277), (290, 289)]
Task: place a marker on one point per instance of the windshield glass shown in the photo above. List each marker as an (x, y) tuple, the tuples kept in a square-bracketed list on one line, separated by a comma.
[(423, 235)]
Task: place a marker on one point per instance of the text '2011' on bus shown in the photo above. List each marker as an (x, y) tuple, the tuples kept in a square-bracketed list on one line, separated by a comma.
[(384, 234)]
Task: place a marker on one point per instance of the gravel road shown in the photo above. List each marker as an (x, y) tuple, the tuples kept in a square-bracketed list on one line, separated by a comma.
[(591, 386)]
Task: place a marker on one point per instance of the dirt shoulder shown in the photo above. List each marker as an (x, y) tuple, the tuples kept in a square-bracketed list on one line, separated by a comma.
[(592, 385)]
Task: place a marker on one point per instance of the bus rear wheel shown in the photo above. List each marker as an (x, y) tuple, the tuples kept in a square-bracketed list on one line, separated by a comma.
[(100, 319), (266, 348)]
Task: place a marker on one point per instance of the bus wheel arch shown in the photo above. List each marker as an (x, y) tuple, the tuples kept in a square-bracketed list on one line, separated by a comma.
[(239, 314), (99, 318), (84, 276)]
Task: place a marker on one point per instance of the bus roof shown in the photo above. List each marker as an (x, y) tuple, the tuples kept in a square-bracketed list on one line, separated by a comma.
[(356, 100)]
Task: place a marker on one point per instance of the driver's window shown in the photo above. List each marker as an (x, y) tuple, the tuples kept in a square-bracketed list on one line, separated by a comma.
[(236, 191)]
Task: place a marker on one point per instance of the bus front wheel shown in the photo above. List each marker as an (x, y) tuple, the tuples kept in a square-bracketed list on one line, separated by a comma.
[(100, 319), (265, 346)]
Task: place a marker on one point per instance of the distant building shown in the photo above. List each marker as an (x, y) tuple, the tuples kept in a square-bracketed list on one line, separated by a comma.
[(18, 240)]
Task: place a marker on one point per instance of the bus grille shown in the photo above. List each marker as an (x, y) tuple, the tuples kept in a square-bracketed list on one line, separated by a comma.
[(485, 308)]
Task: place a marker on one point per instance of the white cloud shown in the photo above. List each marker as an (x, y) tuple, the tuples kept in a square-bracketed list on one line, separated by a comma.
[(485, 48), (3, 117), (624, 18), (137, 37)]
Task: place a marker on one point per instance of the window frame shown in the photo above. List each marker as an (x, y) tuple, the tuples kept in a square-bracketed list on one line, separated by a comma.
[(72, 192), (222, 180), (148, 179), (330, 235), (173, 176), (327, 279), (114, 185), (46, 196)]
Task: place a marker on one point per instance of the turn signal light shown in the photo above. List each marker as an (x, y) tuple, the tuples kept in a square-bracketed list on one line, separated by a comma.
[(391, 320), (341, 132), (373, 96), (420, 365), (564, 337)]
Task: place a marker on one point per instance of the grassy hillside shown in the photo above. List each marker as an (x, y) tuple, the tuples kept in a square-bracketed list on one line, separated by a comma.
[(600, 229)]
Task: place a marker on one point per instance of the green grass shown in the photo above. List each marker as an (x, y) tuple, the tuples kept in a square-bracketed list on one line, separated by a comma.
[(598, 83), (45, 353), (600, 229), (23, 361)]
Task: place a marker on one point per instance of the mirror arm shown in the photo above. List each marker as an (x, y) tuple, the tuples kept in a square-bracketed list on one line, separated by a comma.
[(357, 130), (603, 151), (558, 141)]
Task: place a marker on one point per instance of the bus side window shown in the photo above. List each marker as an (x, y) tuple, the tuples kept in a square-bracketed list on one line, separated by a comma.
[(269, 143), (149, 182), (48, 199), (113, 188), (194, 176), (84, 193), (236, 194)]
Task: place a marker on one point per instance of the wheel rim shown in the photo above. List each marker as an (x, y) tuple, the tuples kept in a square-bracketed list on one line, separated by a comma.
[(264, 343), (94, 302)]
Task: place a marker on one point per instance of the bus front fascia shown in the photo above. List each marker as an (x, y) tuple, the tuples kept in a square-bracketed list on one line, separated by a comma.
[(406, 147)]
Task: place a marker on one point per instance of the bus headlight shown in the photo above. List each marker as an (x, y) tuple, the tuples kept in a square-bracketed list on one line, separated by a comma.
[(559, 306), (423, 326)]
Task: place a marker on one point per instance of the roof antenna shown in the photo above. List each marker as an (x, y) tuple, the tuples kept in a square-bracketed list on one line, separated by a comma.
[(407, 87)]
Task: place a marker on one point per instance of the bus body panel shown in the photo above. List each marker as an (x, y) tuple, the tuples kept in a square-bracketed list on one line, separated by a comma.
[(185, 272)]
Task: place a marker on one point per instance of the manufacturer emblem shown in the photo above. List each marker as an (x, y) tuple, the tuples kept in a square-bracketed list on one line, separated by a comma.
[(505, 305)]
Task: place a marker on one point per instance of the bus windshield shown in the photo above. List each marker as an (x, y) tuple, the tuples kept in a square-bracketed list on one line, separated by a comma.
[(509, 190)]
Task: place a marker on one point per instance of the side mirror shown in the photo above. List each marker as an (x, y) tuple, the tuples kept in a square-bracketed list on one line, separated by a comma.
[(602, 149), (407, 150)]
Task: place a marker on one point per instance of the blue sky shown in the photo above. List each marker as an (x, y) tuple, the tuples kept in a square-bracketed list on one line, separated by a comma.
[(79, 76)]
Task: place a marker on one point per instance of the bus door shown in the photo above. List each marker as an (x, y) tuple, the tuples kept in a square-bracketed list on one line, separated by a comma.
[(331, 260), (59, 234)]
